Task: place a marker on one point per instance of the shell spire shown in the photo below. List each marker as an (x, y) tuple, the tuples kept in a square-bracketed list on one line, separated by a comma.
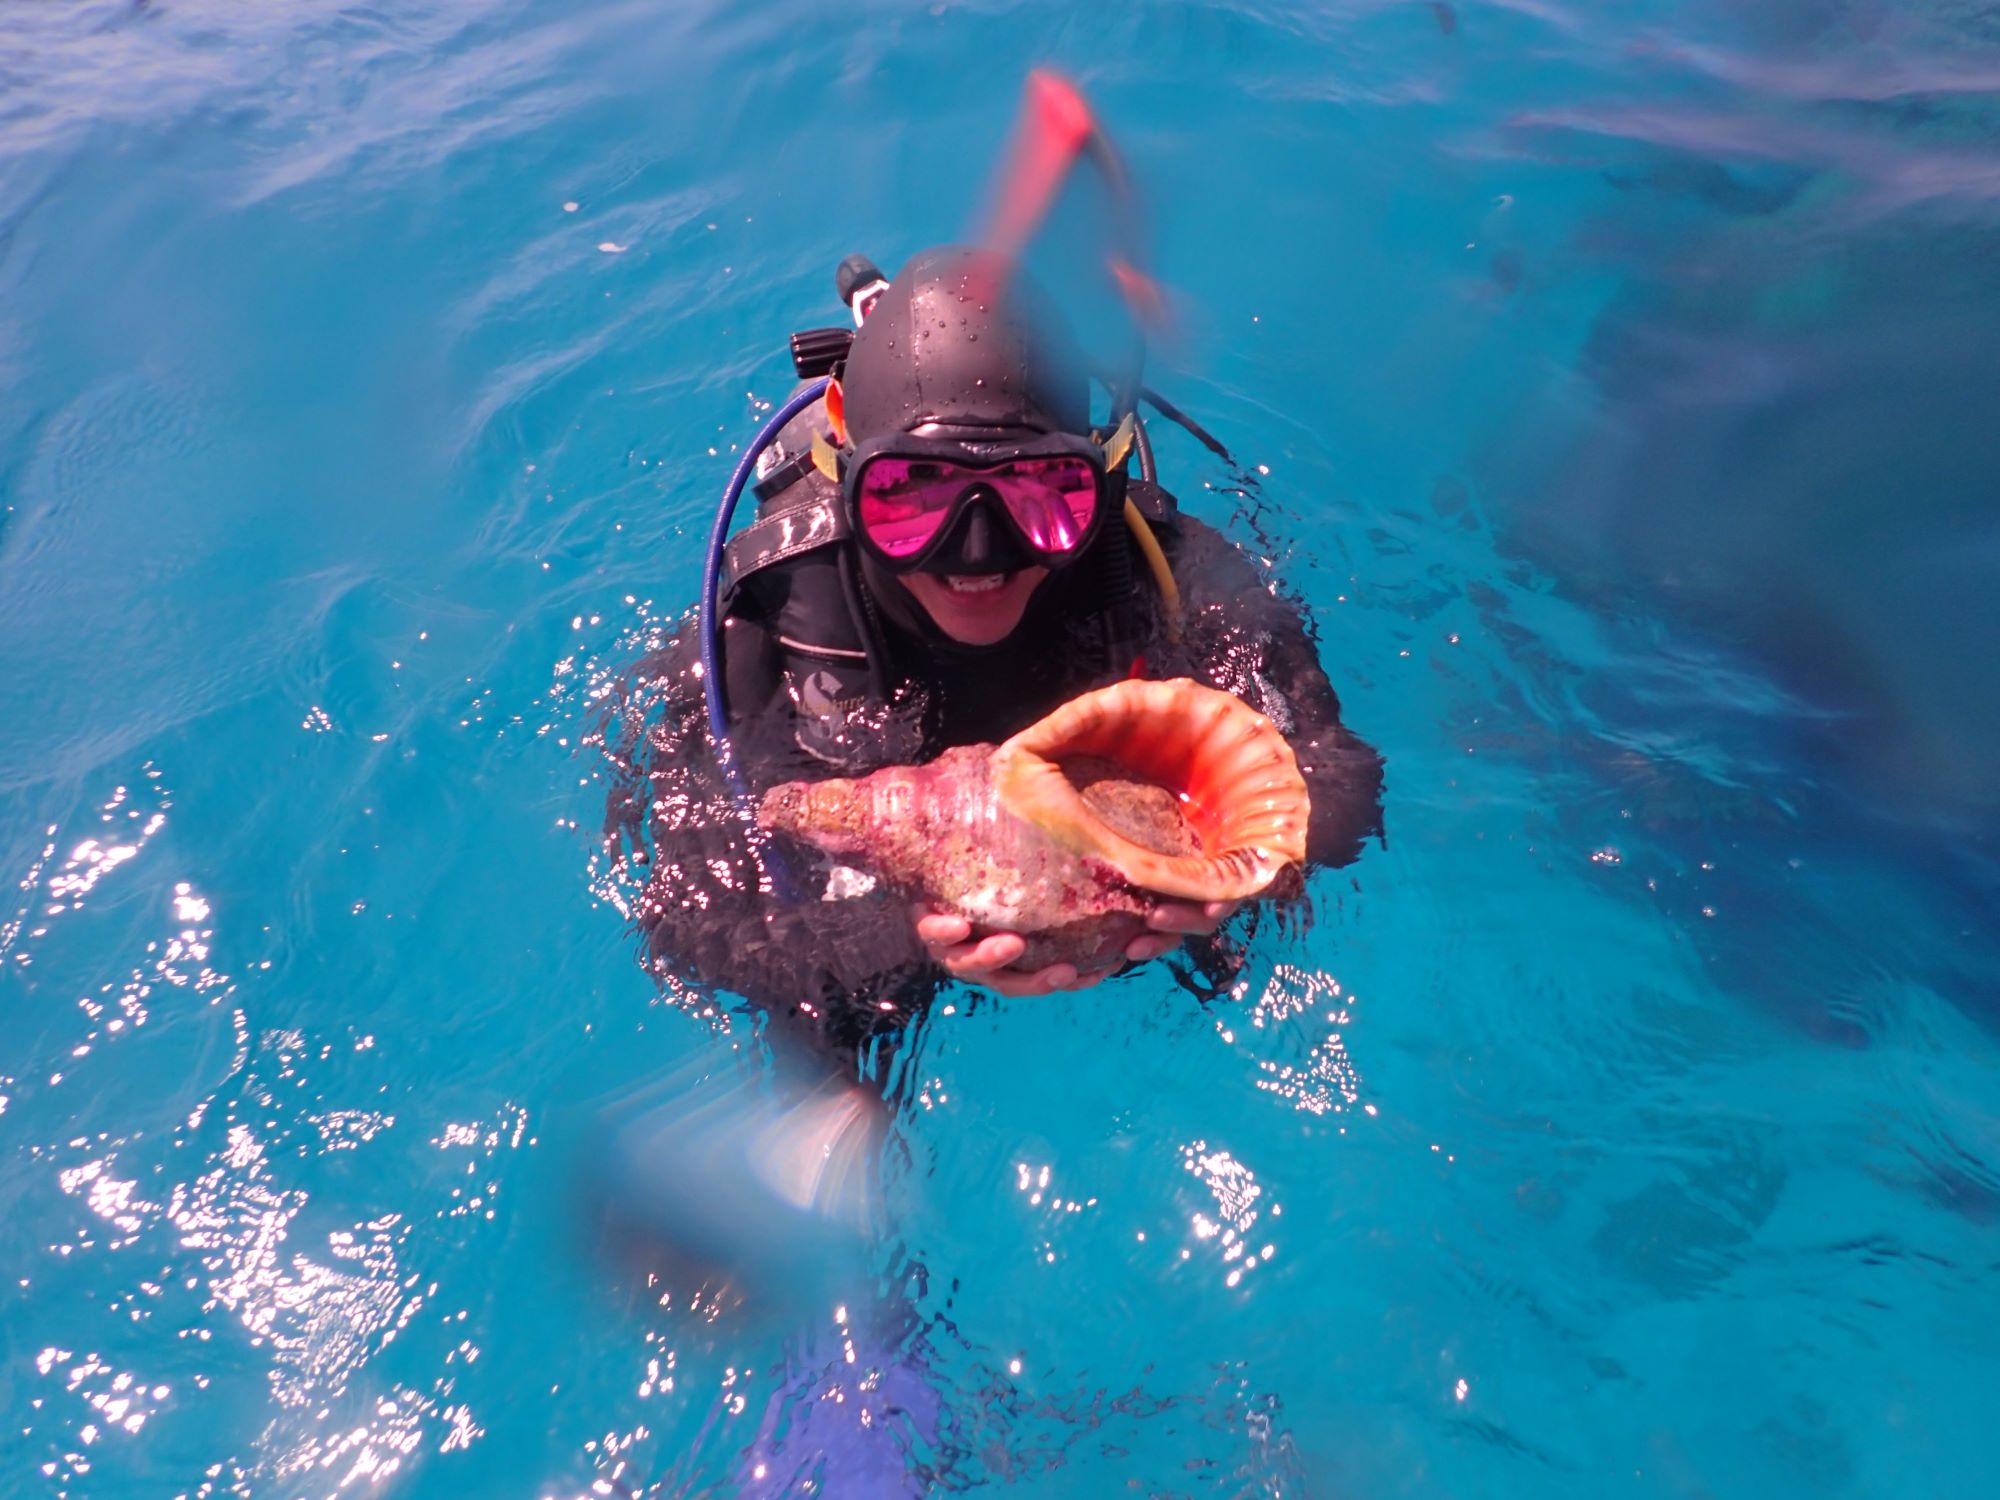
[(882, 817)]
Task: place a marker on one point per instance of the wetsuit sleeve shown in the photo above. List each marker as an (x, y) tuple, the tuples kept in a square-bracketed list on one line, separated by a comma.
[(1242, 636), (701, 897)]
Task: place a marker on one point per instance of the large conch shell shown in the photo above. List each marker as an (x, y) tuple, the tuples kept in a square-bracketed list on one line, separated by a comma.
[(1070, 831)]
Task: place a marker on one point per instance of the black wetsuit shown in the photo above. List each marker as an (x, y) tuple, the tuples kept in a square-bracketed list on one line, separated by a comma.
[(841, 968)]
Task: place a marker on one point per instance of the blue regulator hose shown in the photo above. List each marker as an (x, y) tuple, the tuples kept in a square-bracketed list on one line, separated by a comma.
[(711, 588)]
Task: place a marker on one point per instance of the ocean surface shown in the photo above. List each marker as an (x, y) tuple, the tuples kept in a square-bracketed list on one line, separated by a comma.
[(1619, 385)]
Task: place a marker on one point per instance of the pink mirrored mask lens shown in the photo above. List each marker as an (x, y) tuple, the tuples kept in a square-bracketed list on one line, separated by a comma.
[(904, 502)]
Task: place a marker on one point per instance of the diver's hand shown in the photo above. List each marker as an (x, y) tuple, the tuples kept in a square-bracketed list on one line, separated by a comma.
[(1185, 919), (1175, 922), (989, 960)]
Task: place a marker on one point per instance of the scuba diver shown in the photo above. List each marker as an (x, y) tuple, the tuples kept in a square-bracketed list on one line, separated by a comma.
[(946, 549)]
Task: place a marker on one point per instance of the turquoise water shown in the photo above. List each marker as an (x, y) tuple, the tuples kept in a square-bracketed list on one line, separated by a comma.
[(1625, 1124)]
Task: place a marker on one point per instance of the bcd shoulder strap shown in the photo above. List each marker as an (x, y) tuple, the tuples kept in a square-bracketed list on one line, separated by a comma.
[(798, 508), (788, 532)]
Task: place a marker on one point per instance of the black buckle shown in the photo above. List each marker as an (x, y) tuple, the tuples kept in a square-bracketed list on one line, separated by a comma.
[(820, 351)]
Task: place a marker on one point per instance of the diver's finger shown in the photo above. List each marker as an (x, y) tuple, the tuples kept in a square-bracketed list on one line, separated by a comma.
[(1190, 918), (1179, 916), (940, 930), (996, 951), (1143, 950)]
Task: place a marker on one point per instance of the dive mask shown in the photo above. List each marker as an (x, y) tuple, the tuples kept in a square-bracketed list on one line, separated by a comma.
[(916, 500)]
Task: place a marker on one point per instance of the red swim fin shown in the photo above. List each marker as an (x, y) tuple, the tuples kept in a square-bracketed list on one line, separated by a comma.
[(1055, 127)]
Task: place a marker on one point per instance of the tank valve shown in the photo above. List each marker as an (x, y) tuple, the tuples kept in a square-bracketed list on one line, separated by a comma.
[(859, 282)]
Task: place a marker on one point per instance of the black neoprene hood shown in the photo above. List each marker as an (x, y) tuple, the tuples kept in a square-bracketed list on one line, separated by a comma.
[(961, 341)]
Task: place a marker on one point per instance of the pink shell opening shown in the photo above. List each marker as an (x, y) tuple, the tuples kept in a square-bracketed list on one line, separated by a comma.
[(1237, 778)]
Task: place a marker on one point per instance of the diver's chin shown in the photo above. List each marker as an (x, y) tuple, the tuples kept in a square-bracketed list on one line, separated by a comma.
[(975, 609)]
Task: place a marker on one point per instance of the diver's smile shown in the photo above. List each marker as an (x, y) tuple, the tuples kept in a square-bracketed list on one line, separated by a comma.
[(977, 609)]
